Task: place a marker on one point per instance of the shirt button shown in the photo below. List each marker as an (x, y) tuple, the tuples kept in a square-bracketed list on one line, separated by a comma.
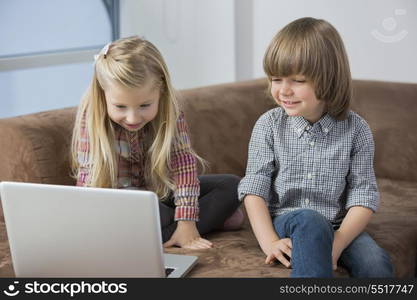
[(326, 130), (307, 201), (311, 143), (309, 175), (308, 127)]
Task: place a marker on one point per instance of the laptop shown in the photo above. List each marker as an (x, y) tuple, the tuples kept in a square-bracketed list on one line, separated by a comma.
[(68, 231)]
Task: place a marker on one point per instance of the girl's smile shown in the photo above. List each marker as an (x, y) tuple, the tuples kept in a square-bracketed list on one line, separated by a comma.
[(132, 108), (134, 126)]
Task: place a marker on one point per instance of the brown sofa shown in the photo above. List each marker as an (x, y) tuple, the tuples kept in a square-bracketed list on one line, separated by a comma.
[(34, 148)]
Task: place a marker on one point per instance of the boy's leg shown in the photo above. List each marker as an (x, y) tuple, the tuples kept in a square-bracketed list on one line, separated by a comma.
[(218, 200), (363, 258), (312, 241)]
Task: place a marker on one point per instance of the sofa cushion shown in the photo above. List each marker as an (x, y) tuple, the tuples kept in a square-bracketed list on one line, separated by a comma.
[(394, 227)]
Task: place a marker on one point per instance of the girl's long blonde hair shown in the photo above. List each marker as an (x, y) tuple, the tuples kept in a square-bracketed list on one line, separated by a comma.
[(131, 62)]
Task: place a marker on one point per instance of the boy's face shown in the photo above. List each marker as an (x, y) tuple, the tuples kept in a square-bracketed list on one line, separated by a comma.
[(296, 96), (132, 108)]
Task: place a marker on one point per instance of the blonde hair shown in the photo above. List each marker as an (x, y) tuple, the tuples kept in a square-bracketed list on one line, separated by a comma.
[(131, 62), (313, 48)]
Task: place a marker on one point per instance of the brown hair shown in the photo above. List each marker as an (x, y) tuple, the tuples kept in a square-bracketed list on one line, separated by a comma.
[(313, 48)]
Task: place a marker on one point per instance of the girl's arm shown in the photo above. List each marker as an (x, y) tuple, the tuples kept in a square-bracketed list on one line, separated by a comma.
[(184, 170)]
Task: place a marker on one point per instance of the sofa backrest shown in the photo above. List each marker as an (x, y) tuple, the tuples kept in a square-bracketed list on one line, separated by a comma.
[(221, 119), (391, 111), (35, 148)]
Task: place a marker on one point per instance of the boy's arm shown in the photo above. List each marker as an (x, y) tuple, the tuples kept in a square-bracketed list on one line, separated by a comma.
[(362, 191), (353, 224), (260, 221)]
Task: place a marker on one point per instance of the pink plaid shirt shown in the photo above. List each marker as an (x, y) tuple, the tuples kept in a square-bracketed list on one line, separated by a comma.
[(131, 159)]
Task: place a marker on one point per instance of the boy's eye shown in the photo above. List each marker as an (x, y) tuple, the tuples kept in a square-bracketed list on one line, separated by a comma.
[(120, 106), (276, 79), (299, 80)]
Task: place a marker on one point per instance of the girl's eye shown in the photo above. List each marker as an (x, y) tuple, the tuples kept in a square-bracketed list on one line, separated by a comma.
[(299, 81), (120, 106), (145, 105), (276, 79)]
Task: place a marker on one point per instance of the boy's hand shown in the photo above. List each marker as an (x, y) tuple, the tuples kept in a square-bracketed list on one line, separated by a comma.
[(337, 249), (187, 236), (277, 250)]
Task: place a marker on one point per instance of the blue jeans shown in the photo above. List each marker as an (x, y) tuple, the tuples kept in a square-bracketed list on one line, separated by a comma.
[(311, 235)]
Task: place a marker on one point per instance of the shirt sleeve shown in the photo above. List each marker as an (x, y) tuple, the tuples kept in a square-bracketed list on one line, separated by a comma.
[(184, 171), (261, 163), (362, 188), (82, 155)]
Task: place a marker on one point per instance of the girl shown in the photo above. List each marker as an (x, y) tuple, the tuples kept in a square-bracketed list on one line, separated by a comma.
[(129, 134), (310, 187)]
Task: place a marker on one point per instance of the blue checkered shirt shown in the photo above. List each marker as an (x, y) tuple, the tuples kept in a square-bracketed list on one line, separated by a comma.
[(326, 166)]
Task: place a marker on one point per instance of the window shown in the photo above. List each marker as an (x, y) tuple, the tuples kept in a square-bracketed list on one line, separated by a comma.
[(47, 50)]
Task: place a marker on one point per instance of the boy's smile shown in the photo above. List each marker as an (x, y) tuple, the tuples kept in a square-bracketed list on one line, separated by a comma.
[(297, 97)]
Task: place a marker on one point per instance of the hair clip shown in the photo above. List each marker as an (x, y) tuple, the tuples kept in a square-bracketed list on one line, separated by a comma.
[(105, 50)]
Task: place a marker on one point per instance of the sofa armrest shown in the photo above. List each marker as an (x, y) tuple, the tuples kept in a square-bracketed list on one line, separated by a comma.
[(35, 147)]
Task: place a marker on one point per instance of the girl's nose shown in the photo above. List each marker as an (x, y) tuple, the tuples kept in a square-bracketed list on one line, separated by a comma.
[(133, 117)]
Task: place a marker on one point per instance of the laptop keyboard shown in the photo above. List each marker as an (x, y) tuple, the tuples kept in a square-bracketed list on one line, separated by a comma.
[(168, 271)]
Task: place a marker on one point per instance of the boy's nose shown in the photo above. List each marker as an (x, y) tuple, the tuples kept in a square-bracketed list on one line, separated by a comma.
[(285, 90)]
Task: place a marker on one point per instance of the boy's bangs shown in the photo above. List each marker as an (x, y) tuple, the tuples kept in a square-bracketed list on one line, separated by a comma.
[(290, 58)]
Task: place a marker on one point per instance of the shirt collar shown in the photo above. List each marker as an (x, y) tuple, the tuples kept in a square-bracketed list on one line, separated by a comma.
[(300, 125), (324, 125)]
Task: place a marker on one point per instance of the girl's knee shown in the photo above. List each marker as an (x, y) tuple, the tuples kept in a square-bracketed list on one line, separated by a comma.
[(230, 180)]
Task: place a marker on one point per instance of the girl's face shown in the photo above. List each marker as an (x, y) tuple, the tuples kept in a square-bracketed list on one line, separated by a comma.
[(296, 96), (132, 108)]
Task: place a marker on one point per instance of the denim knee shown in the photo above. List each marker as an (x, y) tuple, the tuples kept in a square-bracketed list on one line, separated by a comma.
[(312, 221), (376, 265), (312, 239), (364, 258)]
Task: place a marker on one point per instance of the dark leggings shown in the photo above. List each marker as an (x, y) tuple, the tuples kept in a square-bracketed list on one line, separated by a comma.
[(218, 200)]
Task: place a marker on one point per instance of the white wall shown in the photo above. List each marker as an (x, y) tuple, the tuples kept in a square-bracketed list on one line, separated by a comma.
[(195, 37), (370, 57), (208, 42)]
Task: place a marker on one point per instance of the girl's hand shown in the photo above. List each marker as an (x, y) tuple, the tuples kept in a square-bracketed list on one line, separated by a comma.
[(186, 236), (277, 250)]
